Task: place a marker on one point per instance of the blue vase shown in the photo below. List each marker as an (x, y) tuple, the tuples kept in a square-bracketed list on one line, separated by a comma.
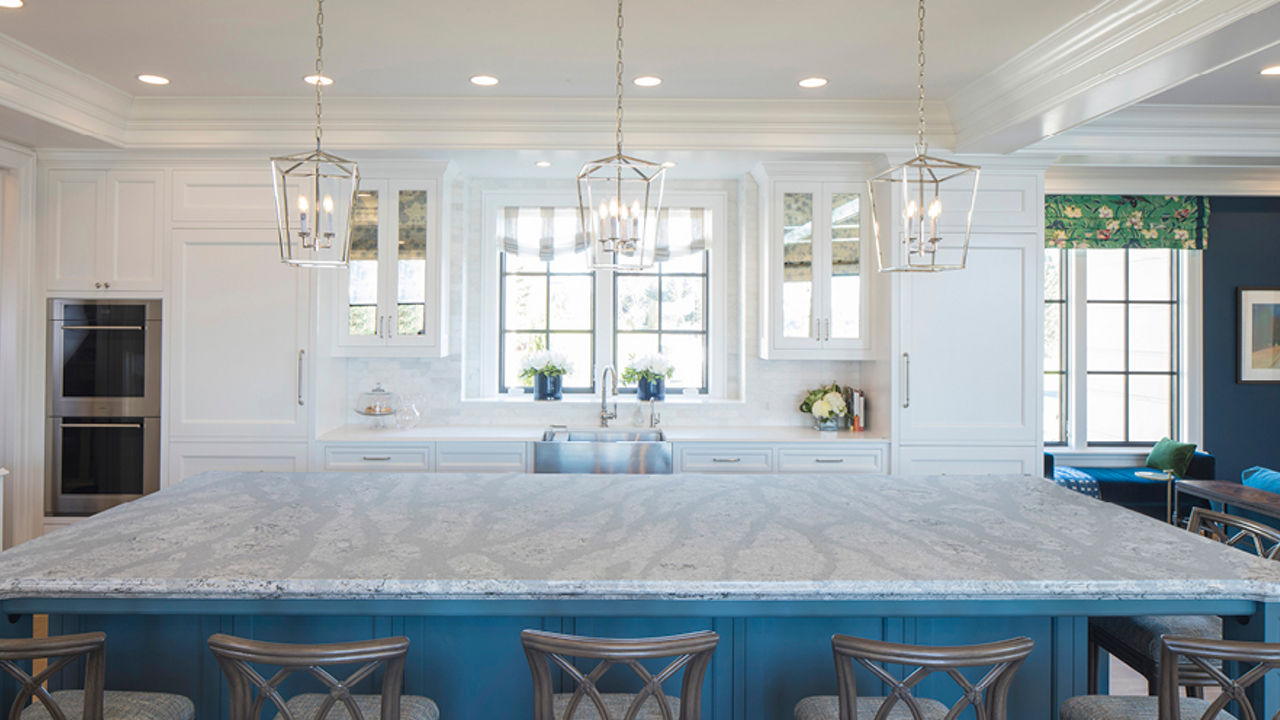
[(651, 389), (547, 387)]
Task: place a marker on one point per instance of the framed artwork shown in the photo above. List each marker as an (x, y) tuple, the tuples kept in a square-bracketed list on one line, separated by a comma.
[(1259, 351)]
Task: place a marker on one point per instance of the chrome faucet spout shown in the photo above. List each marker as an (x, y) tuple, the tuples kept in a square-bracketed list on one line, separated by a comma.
[(605, 413)]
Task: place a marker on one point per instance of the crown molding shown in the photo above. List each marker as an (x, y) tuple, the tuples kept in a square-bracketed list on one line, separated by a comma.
[(47, 89), (1177, 131), (1163, 180), (1117, 54)]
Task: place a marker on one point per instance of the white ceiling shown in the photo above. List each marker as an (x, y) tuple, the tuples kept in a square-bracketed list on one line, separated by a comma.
[(1236, 84), (549, 48)]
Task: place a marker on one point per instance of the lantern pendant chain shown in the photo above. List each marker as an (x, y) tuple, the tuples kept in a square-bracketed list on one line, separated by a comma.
[(921, 147), (319, 65), (619, 78)]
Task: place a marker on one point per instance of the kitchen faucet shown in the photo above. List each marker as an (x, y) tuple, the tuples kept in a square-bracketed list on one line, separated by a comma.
[(606, 414), (654, 417)]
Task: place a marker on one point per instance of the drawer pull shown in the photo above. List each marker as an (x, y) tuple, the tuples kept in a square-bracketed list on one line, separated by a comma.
[(726, 460), (829, 460), (379, 458)]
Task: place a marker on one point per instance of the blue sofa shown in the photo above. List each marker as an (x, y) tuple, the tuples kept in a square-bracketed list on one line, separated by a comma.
[(1122, 485)]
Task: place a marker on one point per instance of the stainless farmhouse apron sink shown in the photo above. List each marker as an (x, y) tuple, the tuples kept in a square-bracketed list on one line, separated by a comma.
[(602, 450)]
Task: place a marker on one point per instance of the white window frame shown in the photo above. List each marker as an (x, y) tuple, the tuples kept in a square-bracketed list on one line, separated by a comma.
[(718, 292), (1190, 427)]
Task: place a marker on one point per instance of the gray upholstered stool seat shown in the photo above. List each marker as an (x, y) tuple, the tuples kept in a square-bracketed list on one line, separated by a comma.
[(1121, 707), (615, 704), (412, 707), (118, 705), (1143, 633), (827, 707)]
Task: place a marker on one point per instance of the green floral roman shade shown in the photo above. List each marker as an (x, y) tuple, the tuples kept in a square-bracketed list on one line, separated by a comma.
[(1126, 221)]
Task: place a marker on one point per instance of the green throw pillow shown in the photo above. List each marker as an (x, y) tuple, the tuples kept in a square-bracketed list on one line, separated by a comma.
[(1171, 456)]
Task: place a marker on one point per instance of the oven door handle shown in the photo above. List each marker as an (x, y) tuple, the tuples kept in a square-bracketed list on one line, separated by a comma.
[(123, 426), (103, 327)]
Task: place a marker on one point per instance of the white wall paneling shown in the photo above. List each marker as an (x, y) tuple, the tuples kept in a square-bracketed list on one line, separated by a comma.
[(238, 323), (192, 458)]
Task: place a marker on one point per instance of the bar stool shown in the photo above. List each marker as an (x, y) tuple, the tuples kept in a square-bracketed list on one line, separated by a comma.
[(1135, 641), (988, 697), (692, 653), (1177, 655), (236, 656), (91, 703)]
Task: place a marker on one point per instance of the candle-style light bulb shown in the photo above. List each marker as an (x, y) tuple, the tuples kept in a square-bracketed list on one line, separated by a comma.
[(328, 210), (935, 208), (303, 207)]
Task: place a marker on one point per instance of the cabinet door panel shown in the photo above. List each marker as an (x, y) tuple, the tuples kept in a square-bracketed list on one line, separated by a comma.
[(238, 324), (482, 457), (74, 217), (972, 340), (135, 249), (187, 459), (968, 460)]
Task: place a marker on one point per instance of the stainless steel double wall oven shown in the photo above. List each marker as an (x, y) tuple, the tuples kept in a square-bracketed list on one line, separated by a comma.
[(103, 440)]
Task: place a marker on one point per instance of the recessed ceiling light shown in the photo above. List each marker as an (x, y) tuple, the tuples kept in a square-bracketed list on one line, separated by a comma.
[(669, 164), (153, 79), (647, 81), (543, 163), (484, 80), (10, 3), (813, 82), (324, 80), (1272, 70)]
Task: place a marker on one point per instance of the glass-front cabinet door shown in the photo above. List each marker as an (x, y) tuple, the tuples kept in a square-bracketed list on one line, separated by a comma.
[(817, 294), (392, 294)]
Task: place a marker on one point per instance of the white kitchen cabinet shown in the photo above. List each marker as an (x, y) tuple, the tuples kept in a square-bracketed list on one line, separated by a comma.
[(239, 333), (816, 266), (104, 230), (832, 458), (482, 457), (372, 458), (393, 297), (192, 458), (969, 460), (723, 458)]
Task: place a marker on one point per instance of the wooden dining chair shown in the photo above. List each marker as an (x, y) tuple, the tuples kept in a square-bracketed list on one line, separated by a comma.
[(250, 690), (1135, 641), (988, 696), (690, 652), (90, 703), (1178, 655)]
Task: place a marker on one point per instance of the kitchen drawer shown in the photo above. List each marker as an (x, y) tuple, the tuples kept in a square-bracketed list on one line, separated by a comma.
[(482, 456), (844, 459), (707, 458), (378, 457)]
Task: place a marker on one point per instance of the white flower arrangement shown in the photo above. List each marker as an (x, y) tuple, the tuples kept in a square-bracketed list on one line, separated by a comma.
[(825, 403), (545, 362), (651, 367)]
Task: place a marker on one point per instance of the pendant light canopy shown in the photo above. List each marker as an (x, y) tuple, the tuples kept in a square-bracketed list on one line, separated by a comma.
[(917, 244), (619, 200), (317, 190)]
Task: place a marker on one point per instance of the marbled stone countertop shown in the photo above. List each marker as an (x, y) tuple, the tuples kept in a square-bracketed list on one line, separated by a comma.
[(746, 537)]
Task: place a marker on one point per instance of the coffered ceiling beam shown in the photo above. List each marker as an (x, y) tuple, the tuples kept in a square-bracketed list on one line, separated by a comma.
[(1120, 53), (52, 92)]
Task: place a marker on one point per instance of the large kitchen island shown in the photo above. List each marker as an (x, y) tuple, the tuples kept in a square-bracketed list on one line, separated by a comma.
[(774, 563)]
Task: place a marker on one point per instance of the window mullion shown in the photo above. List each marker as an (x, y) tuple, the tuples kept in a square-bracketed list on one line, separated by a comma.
[(1077, 364)]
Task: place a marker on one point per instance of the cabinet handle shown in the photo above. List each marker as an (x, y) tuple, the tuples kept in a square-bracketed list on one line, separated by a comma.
[(829, 460), (377, 326), (827, 335), (106, 426), (379, 458), (301, 354), (906, 380), (726, 460), (139, 328), (98, 285), (391, 327), (106, 286)]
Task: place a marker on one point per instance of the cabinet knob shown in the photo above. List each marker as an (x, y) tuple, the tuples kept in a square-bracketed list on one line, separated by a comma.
[(106, 285), (98, 285)]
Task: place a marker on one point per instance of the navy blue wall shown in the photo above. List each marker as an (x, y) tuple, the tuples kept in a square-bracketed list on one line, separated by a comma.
[(1241, 422)]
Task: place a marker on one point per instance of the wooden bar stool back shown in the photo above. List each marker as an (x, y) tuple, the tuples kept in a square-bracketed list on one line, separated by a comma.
[(988, 696), (1178, 655), (690, 652), (93, 702), (250, 690), (1136, 640)]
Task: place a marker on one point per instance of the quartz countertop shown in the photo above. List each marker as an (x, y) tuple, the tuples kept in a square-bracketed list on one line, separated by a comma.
[(514, 536), (528, 433)]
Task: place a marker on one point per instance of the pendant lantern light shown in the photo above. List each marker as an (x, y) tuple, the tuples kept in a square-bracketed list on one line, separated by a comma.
[(619, 200), (916, 245), (318, 190)]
